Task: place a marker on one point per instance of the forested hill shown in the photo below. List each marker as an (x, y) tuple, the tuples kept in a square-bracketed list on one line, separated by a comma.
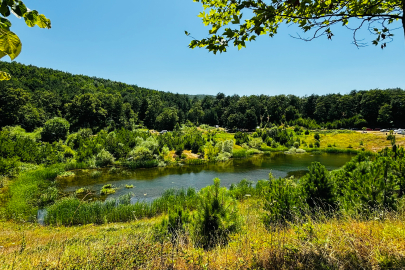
[(34, 95)]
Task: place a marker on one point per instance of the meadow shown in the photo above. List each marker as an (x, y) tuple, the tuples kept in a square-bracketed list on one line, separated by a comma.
[(345, 219), (313, 243)]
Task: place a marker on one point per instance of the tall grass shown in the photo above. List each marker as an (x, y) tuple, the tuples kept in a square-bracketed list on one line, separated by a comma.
[(30, 191), (195, 161), (140, 164), (239, 153), (72, 211)]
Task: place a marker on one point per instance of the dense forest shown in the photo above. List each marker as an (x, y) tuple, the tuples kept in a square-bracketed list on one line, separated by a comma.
[(35, 95)]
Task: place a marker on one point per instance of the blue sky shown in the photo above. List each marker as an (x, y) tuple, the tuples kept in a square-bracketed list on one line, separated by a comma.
[(143, 43)]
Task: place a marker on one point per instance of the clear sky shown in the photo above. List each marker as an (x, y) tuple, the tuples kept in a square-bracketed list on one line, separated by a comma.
[(143, 43)]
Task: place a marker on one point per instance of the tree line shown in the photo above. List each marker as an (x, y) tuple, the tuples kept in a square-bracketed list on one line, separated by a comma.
[(35, 95)]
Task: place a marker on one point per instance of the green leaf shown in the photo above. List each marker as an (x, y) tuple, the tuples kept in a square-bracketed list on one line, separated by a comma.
[(20, 9), (43, 22), (4, 9), (235, 19), (31, 18), (10, 44), (4, 76)]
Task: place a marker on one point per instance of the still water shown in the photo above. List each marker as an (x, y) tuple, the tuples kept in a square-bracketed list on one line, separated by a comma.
[(150, 183)]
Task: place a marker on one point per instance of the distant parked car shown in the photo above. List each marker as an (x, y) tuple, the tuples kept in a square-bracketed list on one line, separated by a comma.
[(377, 129), (163, 131), (383, 130)]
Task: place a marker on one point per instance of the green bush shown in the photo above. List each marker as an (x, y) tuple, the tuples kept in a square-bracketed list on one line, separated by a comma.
[(307, 132), (283, 201), (317, 187), (371, 186), (216, 218), (239, 153), (104, 158), (9, 166), (241, 189), (316, 136), (55, 129), (172, 227)]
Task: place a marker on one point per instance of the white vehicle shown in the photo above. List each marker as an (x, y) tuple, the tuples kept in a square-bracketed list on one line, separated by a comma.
[(383, 130)]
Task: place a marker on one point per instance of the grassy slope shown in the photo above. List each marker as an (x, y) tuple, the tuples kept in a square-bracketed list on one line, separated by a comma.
[(332, 243), (372, 141)]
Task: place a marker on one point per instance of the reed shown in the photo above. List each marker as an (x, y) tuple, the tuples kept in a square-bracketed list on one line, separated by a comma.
[(72, 211), (140, 164), (239, 153)]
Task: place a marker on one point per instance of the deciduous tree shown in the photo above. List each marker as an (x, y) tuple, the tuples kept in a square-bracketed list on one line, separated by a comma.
[(315, 18)]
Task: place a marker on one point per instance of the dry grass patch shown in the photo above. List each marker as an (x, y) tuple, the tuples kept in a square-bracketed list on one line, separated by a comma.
[(374, 141), (334, 243)]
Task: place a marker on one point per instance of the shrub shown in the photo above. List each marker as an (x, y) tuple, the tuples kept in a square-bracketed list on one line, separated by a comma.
[(282, 201), (296, 144), (317, 187), (316, 136), (255, 143), (307, 132), (173, 227), (317, 144), (241, 189), (104, 158), (372, 186), (10, 166), (216, 218), (311, 145), (223, 156), (55, 129), (239, 153), (253, 151)]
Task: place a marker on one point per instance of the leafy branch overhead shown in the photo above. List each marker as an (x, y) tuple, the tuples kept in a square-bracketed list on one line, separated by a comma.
[(314, 17), (10, 43)]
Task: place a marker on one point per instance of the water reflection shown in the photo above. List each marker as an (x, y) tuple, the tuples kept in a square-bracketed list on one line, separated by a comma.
[(150, 183)]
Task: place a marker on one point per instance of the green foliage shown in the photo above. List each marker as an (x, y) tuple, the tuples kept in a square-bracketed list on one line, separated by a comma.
[(317, 187), (311, 17), (31, 191), (104, 158), (317, 137), (239, 153), (168, 119), (283, 201), (107, 189), (55, 129), (9, 167), (10, 43), (71, 211), (242, 190), (241, 138), (172, 227), (216, 217), (371, 186)]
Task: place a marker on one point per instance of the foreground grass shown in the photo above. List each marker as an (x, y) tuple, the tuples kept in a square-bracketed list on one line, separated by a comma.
[(334, 243)]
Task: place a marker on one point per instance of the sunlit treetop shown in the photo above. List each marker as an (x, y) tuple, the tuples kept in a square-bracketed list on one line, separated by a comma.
[(10, 43), (316, 18)]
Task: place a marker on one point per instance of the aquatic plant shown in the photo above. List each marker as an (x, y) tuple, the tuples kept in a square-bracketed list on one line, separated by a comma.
[(107, 189)]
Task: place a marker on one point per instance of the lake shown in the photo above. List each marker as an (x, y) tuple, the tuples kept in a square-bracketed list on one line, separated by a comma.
[(150, 183)]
